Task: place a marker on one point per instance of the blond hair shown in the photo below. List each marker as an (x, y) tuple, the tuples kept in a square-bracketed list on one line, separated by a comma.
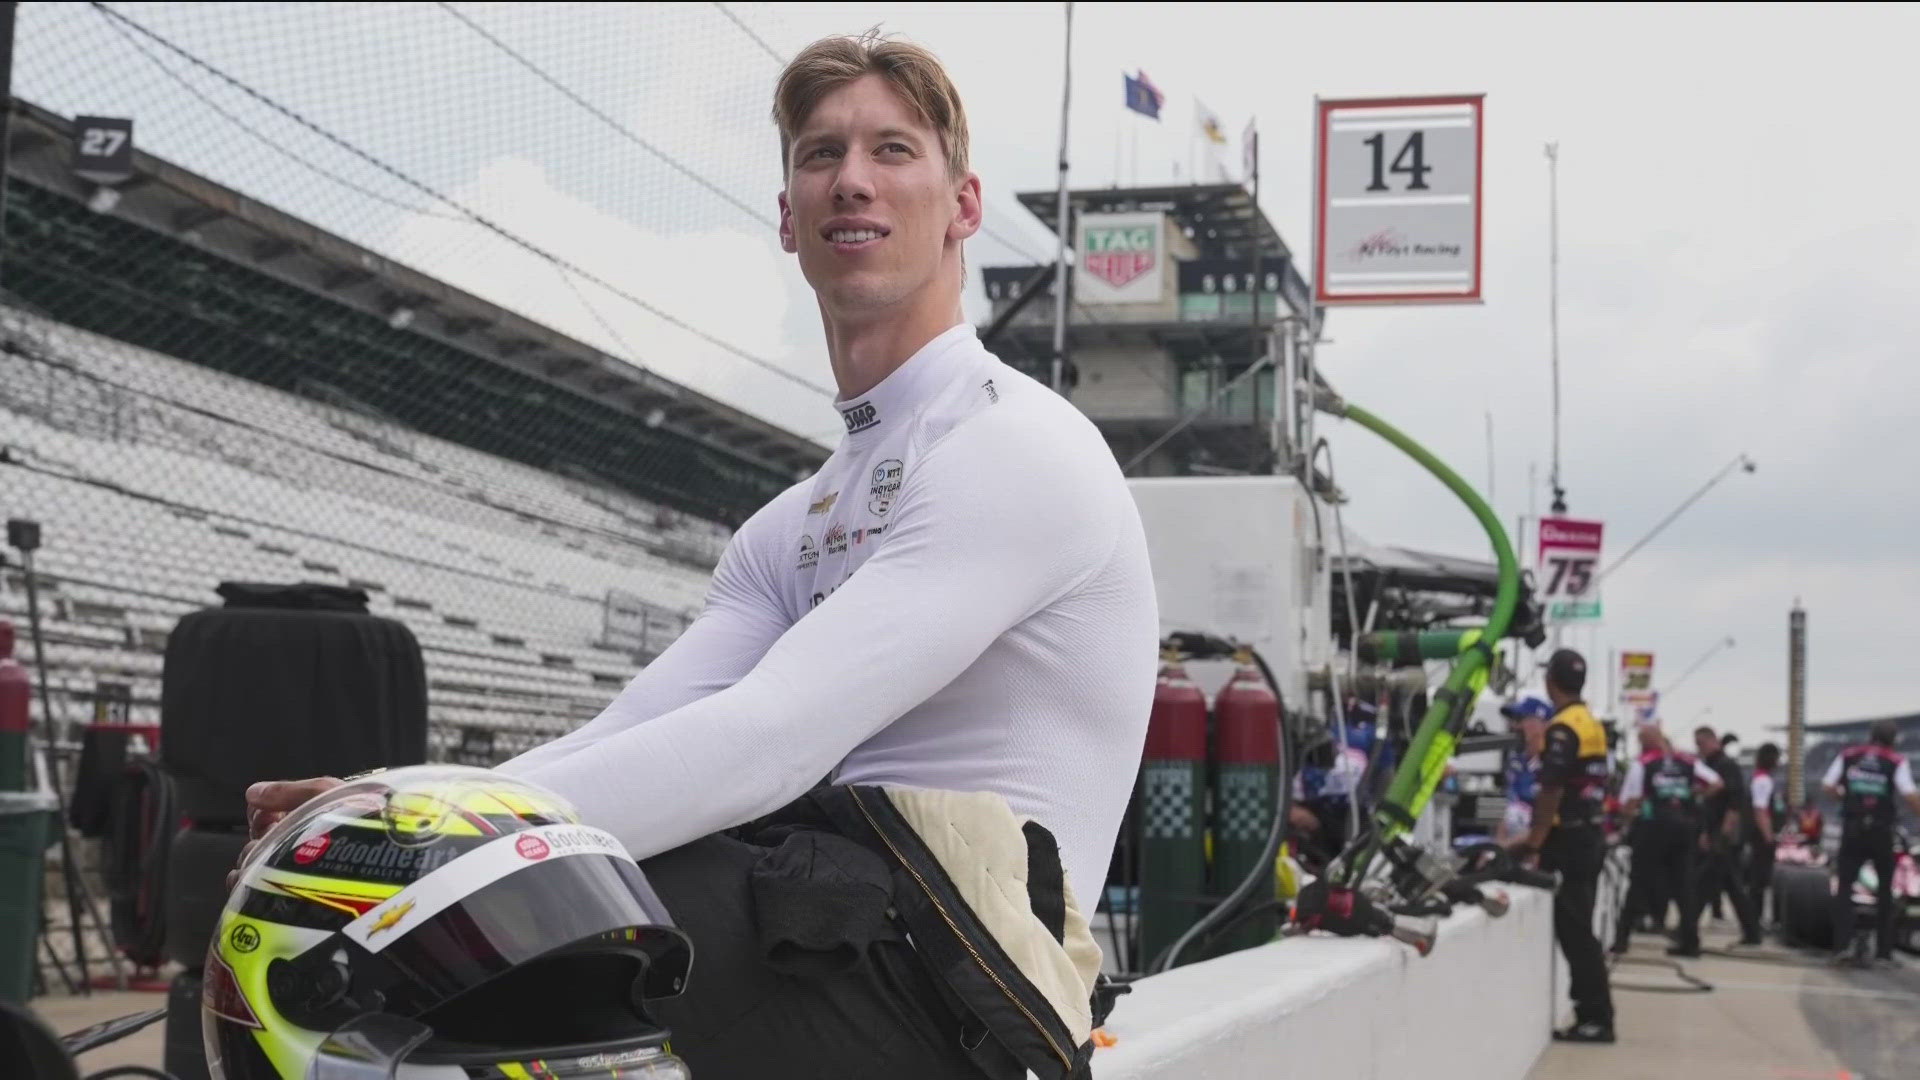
[(913, 72)]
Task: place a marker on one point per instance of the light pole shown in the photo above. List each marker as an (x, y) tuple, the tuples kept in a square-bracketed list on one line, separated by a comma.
[(1723, 643), (1740, 462)]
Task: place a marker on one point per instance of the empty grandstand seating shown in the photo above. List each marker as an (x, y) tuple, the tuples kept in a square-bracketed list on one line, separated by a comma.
[(535, 595)]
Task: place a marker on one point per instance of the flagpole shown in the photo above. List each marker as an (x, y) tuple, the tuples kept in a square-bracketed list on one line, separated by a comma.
[(1193, 176), (1060, 280)]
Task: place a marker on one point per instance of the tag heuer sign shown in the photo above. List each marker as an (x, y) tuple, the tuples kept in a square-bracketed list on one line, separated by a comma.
[(1117, 255), (1122, 258), (103, 149)]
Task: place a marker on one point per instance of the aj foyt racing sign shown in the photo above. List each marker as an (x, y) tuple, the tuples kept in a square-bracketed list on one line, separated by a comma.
[(1569, 565), (1397, 186)]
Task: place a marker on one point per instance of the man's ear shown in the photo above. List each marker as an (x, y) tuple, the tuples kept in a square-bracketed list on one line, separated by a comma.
[(787, 242), (968, 211)]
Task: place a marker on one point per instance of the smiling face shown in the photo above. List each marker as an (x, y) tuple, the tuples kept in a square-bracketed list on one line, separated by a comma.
[(872, 207)]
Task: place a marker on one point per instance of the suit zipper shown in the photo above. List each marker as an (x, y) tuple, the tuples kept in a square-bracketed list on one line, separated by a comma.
[(955, 927)]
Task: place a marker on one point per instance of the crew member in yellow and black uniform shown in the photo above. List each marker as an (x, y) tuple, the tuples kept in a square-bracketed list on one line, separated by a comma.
[(1567, 836)]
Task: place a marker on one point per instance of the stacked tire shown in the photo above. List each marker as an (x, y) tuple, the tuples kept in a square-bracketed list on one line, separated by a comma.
[(282, 681)]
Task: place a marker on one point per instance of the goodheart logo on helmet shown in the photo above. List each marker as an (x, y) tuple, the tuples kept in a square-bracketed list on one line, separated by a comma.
[(371, 860), (860, 417)]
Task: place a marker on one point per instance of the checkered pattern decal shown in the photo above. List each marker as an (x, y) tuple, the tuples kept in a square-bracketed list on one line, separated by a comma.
[(1246, 802), (1166, 804)]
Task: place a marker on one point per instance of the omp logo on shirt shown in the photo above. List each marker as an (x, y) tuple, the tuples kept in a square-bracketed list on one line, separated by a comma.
[(860, 417)]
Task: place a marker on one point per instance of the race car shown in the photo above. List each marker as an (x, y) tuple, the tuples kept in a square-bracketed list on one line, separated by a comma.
[(1802, 895)]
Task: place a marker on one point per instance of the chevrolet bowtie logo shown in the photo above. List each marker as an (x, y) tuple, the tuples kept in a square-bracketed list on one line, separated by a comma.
[(823, 505), (390, 918)]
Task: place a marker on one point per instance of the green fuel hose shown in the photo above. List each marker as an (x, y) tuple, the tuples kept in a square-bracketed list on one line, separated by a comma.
[(1439, 732)]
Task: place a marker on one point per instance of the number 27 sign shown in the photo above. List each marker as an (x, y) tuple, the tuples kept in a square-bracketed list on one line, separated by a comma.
[(1568, 565)]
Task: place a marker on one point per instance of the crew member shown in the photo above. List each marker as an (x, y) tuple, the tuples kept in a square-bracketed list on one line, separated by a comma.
[(1723, 834), (1530, 716), (1566, 834), (1662, 795), (1328, 785), (1812, 826), (1769, 817), (1865, 780)]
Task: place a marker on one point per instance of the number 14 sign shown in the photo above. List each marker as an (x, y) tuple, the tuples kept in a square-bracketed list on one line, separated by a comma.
[(1397, 193), (1569, 561)]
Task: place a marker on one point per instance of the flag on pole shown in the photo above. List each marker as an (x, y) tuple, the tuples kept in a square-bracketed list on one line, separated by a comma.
[(1249, 153), (1142, 96), (1208, 124), (1208, 130)]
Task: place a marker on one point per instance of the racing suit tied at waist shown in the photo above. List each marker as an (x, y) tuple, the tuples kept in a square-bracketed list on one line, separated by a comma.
[(981, 892)]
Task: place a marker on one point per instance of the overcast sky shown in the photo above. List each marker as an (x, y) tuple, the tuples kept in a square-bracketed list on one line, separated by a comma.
[(1740, 250)]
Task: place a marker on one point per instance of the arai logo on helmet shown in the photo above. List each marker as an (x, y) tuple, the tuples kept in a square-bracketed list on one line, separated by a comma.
[(532, 848), (312, 848)]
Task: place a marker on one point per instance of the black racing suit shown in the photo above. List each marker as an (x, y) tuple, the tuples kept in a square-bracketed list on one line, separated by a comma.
[(1720, 870), (1666, 846), (1867, 813), (1575, 760)]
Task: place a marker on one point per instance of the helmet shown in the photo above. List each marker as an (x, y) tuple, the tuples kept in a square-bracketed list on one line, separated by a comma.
[(440, 922)]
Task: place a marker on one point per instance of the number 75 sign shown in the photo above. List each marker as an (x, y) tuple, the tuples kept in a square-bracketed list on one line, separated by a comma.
[(1568, 564)]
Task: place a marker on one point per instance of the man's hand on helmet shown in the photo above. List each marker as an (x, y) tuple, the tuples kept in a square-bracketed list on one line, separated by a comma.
[(268, 802)]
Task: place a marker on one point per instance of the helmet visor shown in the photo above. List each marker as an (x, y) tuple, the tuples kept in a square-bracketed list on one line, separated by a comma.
[(562, 892)]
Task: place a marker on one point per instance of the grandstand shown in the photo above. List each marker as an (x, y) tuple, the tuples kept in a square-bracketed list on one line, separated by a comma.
[(239, 404)]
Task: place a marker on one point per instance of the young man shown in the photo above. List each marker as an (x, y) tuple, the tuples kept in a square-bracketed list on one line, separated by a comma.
[(1865, 779), (959, 601), (1723, 834), (1566, 834), (1769, 817), (1661, 795)]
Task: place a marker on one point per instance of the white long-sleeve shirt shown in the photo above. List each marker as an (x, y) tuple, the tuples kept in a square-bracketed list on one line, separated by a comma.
[(959, 599)]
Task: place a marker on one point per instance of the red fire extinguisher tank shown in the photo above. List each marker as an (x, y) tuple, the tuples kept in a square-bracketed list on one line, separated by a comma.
[(1173, 865), (1246, 716), (15, 694)]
